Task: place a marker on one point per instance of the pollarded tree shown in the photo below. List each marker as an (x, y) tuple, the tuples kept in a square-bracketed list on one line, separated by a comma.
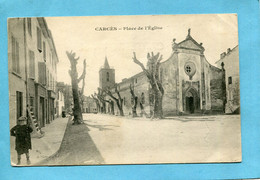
[(119, 100), (134, 99), (82, 77), (97, 102), (77, 113), (102, 98), (152, 73)]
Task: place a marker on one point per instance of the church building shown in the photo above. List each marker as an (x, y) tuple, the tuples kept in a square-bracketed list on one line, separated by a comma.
[(191, 84)]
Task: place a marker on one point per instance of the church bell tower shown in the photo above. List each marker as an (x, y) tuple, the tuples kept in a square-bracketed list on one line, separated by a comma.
[(106, 76)]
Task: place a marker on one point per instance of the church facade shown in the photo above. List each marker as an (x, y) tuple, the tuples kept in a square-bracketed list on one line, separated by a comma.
[(191, 84)]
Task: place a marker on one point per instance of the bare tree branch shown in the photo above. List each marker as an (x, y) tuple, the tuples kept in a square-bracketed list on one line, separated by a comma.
[(84, 71), (141, 65)]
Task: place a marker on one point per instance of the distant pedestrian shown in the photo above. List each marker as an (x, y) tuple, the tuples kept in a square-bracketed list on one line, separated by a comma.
[(22, 139)]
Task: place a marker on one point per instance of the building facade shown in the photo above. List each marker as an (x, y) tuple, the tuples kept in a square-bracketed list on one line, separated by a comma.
[(60, 103), (68, 97), (89, 105), (230, 60), (191, 84), (32, 69)]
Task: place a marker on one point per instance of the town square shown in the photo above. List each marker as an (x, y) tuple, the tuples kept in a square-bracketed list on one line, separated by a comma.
[(116, 90)]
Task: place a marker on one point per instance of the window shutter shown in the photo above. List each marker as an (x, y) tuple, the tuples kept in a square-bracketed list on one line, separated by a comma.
[(17, 58), (13, 55), (29, 22), (32, 64), (39, 40), (44, 51), (42, 73)]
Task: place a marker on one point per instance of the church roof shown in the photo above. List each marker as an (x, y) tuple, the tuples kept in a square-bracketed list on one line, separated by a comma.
[(106, 65), (189, 43)]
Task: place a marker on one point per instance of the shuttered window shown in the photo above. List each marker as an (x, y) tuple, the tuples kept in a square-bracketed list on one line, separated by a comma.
[(42, 73), (15, 56), (39, 39), (44, 51), (32, 64), (29, 24)]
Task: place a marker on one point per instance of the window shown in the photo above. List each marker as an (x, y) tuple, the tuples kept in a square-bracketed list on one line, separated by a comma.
[(31, 101), (44, 51), (15, 56), (39, 39), (42, 73), (230, 80), (29, 24), (107, 76), (136, 80), (188, 69), (31, 64), (48, 77)]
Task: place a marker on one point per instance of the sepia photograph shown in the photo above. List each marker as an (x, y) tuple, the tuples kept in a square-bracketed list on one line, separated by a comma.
[(140, 89)]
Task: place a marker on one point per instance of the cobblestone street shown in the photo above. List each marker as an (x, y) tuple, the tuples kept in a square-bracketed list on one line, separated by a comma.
[(122, 140)]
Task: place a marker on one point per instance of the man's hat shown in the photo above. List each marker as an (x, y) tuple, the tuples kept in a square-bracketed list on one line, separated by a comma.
[(22, 118)]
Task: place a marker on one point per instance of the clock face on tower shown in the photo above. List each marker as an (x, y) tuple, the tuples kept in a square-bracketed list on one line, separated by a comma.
[(190, 69)]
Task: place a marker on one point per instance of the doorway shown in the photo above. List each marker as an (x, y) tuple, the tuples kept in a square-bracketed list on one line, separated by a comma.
[(191, 101), (19, 104), (41, 112)]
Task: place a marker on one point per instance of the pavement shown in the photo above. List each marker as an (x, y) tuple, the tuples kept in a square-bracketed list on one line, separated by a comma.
[(106, 139), (45, 146), (180, 139)]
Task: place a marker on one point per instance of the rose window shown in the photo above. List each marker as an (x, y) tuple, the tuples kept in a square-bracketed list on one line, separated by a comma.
[(190, 69)]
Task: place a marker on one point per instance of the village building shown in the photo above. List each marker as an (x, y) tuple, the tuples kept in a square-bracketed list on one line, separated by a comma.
[(89, 105), (191, 84), (60, 103), (230, 60), (32, 69), (67, 94)]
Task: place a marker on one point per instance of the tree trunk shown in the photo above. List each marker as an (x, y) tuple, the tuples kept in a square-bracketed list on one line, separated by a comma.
[(121, 111), (134, 105), (119, 100), (77, 113), (133, 101), (76, 109), (157, 90), (112, 109), (157, 105)]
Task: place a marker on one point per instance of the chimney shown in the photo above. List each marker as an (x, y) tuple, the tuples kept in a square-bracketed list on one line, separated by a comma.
[(222, 55), (228, 50)]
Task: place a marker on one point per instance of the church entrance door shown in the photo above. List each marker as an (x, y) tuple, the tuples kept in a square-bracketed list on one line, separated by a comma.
[(190, 103)]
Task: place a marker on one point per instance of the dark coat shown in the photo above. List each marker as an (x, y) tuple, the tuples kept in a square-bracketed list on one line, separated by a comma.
[(22, 138)]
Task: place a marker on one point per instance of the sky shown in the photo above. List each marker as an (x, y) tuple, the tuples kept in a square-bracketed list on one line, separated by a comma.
[(117, 37)]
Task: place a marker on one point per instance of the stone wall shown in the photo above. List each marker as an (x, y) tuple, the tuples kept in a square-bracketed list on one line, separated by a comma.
[(168, 73), (140, 85), (16, 79), (231, 65), (216, 89)]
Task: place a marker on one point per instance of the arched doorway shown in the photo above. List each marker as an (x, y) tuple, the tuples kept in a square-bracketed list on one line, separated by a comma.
[(191, 101)]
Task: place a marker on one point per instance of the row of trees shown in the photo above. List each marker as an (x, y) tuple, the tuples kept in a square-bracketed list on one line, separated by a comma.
[(114, 97), (157, 91), (151, 72)]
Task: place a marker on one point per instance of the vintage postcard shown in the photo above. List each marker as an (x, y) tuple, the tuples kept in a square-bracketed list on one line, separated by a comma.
[(124, 90)]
